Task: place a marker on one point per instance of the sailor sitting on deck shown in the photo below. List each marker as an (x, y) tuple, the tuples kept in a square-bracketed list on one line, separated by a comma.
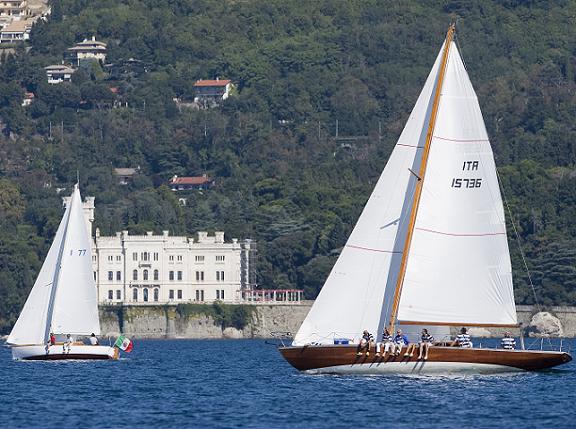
[(400, 340), (426, 340), (365, 342), (387, 342), (462, 340), (94, 340), (508, 342), (67, 344)]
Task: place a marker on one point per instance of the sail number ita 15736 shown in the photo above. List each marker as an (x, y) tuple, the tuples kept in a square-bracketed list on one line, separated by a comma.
[(465, 182)]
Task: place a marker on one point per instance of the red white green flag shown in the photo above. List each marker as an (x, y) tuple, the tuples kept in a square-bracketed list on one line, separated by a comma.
[(124, 344)]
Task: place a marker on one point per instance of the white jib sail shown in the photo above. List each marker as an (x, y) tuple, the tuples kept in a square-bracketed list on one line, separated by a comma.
[(30, 328), (75, 309), (458, 268), (355, 295)]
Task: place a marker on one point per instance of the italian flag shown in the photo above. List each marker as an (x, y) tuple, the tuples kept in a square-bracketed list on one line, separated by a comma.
[(124, 344)]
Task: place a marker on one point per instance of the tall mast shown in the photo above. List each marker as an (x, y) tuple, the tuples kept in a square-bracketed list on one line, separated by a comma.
[(421, 176)]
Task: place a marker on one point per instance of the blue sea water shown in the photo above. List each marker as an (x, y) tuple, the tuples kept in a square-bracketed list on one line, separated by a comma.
[(247, 384)]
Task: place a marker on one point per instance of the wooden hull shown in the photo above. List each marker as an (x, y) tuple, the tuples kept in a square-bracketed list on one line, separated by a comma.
[(56, 352), (342, 359)]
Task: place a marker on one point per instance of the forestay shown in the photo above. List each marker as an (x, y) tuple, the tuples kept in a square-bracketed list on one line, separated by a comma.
[(30, 328), (75, 304), (355, 296), (458, 269)]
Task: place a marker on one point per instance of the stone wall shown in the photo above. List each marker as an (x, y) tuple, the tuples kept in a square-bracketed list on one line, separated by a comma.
[(165, 321)]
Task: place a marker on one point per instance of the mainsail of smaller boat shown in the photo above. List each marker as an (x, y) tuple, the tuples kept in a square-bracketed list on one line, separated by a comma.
[(430, 247), (63, 300)]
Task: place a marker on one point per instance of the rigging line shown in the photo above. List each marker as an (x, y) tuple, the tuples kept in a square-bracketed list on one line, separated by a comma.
[(457, 42), (518, 240)]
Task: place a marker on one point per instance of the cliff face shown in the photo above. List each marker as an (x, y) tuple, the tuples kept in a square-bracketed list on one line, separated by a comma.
[(172, 322), (201, 322)]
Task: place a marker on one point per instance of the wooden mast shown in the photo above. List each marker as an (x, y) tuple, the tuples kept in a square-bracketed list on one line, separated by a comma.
[(421, 176)]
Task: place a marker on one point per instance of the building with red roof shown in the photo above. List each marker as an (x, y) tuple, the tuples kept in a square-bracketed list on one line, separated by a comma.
[(191, 183), (210, 92)]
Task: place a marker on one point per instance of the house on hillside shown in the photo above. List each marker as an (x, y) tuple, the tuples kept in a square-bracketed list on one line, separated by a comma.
[(87, 50), (28, 99), (209, 93), (12, 10), (125, 175), (191, 183), (59, 73), (16, 31)]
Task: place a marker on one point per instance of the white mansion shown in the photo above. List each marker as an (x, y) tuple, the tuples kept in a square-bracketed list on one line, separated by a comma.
[(160, 269)]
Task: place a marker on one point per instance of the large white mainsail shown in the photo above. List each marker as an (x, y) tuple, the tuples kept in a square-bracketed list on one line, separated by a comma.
[(63, 298), (30, 328), (458, 269), (75, 309), (355, 295)]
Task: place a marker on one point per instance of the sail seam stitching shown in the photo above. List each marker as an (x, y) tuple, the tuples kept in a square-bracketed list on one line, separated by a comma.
[(462, 140), (461, 235), (372, 250)]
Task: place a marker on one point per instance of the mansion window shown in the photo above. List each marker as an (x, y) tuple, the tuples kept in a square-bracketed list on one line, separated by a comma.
[(156, 276), (118, 294), (110, 294), (171, 258), (179, 275), (135, 275), (155, 256), (179, 293), (171, 294), (220, 294), (135, 295), (110, 275), (220, 258), (145, 275), (199, 258), (145, 292), (145, 256), (199, 295), (118, 275), (199, 276), (110, 258), (219, 276), (135, 256), (156, 293), (171, 275), (118, 258)]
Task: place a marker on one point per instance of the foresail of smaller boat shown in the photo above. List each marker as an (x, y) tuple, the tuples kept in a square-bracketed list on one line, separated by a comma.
[(75, 309), (458, 269), (354, 296), (30, 328)]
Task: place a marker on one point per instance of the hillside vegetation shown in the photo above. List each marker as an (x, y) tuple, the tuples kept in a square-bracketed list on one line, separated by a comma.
[(282, 176)]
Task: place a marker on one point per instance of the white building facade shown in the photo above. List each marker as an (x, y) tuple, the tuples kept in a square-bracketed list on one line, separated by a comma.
[(162, 269)]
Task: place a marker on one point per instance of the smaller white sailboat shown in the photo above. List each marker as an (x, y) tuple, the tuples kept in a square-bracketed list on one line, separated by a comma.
[(62, 305)]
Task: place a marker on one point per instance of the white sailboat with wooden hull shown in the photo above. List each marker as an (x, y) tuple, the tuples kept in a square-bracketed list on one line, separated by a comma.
[(63, 300), (429, 249)]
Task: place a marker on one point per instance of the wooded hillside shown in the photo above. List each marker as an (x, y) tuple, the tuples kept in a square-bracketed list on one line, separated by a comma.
[(302, 69)]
